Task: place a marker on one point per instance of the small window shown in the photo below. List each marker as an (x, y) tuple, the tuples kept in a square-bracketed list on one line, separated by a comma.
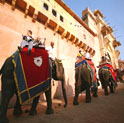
[(54, 12), (61, 18), (84, 36), (45, 6)]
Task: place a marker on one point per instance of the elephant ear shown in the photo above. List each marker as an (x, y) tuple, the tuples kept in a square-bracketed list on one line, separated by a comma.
[(8, 68)]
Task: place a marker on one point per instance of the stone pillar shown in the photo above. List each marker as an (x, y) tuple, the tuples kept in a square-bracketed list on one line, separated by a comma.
[(68, 38), (63, 34), (13, 4), (56, 29), (46, 24), (26, 10), (34, 18), (73, 40)]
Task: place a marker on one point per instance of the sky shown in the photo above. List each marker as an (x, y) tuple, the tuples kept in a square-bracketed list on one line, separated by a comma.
[(112, 10)]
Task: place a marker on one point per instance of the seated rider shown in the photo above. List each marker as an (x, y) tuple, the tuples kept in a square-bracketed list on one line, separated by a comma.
[(38, 43), (52, 53), (87, 55), (27, 40), (104, 60), (79, 54), (79, 57)]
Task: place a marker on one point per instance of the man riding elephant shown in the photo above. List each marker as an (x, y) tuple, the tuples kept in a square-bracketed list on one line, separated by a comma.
[(107, 75), (9, 88), (85, 77)]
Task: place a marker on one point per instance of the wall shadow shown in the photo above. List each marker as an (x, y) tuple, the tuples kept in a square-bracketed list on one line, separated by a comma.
[(69, 89), (58, 93)]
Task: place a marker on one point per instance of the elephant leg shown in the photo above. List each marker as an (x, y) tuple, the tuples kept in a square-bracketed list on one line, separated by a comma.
[(49, 109), (95, 92), (111, 87), (17, 108), (77, 91), (34, 105), (64, 94), (7, 93), (106, 91), (88, 95)]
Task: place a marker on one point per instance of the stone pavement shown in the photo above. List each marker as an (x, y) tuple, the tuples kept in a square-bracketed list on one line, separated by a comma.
[(104, 109)]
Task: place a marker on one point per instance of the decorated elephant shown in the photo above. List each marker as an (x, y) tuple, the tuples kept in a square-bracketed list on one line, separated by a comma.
[(105, 77), (121, 76), (9, 88), (83, 81)]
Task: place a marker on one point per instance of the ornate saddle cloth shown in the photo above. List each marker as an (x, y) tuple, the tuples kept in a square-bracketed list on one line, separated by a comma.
[(92, 69), (108, 66), (32, 73)]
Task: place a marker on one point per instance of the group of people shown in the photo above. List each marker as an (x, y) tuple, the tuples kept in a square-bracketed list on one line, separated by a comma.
[(82, 56), (28, 40), (104, 61)]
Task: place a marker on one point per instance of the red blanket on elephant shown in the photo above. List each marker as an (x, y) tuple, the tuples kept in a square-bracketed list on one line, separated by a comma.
[(32, 73), (92, 67), (111, 69)]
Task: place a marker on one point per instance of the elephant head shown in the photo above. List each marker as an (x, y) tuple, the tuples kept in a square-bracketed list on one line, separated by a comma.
[(59, 74), (121, 76)]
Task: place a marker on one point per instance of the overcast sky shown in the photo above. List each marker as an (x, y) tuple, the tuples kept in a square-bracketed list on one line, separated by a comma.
[(112, 10)]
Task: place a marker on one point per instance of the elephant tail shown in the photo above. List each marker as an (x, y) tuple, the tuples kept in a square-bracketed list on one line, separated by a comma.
[(0, 71)]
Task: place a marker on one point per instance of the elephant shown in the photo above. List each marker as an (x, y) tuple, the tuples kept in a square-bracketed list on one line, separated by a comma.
[(9, 89), (83, 81), (121, 76), (105, 77)]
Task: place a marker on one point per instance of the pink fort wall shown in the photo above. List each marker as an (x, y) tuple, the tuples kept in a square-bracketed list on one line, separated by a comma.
[(13, 25)]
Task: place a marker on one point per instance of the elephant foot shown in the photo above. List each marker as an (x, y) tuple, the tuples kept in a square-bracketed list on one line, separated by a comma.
[(106, 94), (17, 112), (4, 120), (112, 91), (32, 112), (88, 100), (65, 105), (75, 103), (49, 111), (95, 95)]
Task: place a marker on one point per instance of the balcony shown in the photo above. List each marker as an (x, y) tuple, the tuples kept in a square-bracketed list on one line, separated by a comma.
[(116, 43), (106, 30)]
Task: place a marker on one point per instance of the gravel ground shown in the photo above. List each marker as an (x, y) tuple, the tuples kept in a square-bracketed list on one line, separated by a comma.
[(103, 109)]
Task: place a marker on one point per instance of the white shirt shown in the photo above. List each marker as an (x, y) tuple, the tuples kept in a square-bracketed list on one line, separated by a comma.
[(51, 52), (87, 56)]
